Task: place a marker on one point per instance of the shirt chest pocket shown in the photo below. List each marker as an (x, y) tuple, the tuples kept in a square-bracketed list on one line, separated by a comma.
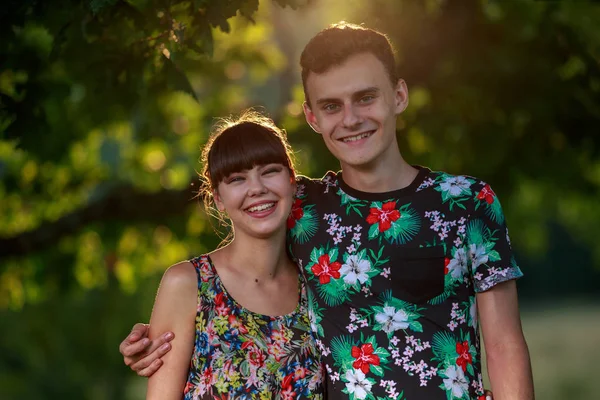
[(417, 274)]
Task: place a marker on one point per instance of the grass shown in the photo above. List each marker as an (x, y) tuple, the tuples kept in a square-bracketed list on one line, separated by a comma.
[(564, 344)]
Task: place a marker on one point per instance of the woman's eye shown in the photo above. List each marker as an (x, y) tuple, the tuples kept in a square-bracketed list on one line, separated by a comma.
[(235, 179), (273, 170)]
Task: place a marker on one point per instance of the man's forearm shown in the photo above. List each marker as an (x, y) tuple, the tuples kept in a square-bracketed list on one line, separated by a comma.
[(509, 369)]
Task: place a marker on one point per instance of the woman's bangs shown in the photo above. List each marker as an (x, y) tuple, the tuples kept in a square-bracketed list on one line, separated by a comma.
[(243, 149)]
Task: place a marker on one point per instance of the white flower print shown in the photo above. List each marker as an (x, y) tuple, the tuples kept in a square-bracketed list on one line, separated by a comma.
[(355, 269), (456, 381), (455, 185), (478, 255), (357, 383), (458, 265), (392, 319)]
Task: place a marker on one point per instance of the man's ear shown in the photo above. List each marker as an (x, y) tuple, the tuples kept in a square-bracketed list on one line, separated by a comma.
[(401, 96), (218, 201), (310, 118)]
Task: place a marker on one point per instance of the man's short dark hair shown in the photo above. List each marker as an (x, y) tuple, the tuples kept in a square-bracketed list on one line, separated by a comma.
[(336, 43)]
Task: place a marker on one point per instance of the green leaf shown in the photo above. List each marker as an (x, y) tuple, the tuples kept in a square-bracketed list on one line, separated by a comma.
[(377, 370), (333, 254), (177, 79), (374, 231), (416, 326)]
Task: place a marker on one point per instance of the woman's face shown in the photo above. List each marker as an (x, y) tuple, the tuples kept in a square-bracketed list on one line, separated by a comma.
[(258, 201)]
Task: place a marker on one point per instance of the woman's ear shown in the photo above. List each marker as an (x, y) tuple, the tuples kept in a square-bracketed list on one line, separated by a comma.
[(218, 201)]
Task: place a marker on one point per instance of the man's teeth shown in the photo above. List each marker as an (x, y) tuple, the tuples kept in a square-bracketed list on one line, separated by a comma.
[(357, 137), (261, 207)]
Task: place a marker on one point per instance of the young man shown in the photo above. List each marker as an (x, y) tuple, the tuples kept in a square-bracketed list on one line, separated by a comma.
[(404, 263)]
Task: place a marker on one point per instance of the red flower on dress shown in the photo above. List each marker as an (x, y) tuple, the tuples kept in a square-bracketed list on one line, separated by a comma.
[(384, 216), (326, 270), (446, 262), (235, 323), (464, 357), (287, 381), (487, 194), (364, 357), (295, 214), (188, 387), (288, 393)]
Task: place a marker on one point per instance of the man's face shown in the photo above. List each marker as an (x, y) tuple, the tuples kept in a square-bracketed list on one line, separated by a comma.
[(354, 107)]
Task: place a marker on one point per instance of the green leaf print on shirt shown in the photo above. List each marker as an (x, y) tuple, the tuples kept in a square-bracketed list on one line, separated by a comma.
[(351, 203), (302, 222), (487, 198), (481, 241)]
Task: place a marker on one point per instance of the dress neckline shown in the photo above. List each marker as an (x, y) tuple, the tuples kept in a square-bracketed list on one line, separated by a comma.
[(296, 310)]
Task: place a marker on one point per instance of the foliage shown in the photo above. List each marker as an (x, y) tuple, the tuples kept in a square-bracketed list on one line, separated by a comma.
[(104, 105)]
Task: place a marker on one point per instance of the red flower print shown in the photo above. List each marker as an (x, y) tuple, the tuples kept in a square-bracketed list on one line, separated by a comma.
[(287, 381), (384, 216), (464, 357), (188, 387), (326, 270), (288, 393), (364, 357), (487, 194), (295, 214), (235, 323), (256, 357), (207, 376), (446, 262)]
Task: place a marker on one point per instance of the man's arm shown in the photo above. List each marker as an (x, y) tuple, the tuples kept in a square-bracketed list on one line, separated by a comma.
[(508, 364)]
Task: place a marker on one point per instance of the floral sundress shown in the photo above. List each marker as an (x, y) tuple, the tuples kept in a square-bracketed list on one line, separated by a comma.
[(239, 354)]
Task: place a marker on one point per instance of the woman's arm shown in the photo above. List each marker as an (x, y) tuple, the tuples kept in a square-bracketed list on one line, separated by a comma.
[(175, 311)]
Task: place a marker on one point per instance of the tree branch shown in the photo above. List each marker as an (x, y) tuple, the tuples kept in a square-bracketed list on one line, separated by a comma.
[(121, 203)]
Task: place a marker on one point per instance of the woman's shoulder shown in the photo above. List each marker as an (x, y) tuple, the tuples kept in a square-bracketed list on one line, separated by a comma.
[(180, 276)]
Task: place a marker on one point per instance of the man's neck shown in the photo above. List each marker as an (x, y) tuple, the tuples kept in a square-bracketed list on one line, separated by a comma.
[(382, 177)]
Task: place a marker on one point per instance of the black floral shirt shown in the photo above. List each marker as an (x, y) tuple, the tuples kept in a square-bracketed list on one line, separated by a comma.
[(393, 278)]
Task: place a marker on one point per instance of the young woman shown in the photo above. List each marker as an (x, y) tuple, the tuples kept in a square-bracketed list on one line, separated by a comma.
[(240, 312)]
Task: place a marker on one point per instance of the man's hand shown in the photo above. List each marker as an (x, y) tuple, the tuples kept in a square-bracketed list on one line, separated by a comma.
[(141, 354)]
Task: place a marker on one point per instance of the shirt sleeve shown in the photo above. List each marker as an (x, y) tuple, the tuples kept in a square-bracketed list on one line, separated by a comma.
[(488, 244)]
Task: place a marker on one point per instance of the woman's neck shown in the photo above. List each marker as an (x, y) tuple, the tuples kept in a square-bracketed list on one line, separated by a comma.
[(256, 258)]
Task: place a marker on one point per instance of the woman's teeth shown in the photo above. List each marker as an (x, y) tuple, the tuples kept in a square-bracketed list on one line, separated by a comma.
[(261, 207)]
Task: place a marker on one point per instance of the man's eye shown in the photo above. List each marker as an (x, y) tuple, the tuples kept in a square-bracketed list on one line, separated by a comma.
[(367, 98), (330, 107)]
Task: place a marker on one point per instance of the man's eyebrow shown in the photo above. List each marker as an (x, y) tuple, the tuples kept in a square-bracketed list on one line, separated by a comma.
[(327, 100), (355, 95), (362, 92)]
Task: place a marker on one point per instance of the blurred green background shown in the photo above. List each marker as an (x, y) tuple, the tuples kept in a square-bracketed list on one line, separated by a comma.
[(105, 104)]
